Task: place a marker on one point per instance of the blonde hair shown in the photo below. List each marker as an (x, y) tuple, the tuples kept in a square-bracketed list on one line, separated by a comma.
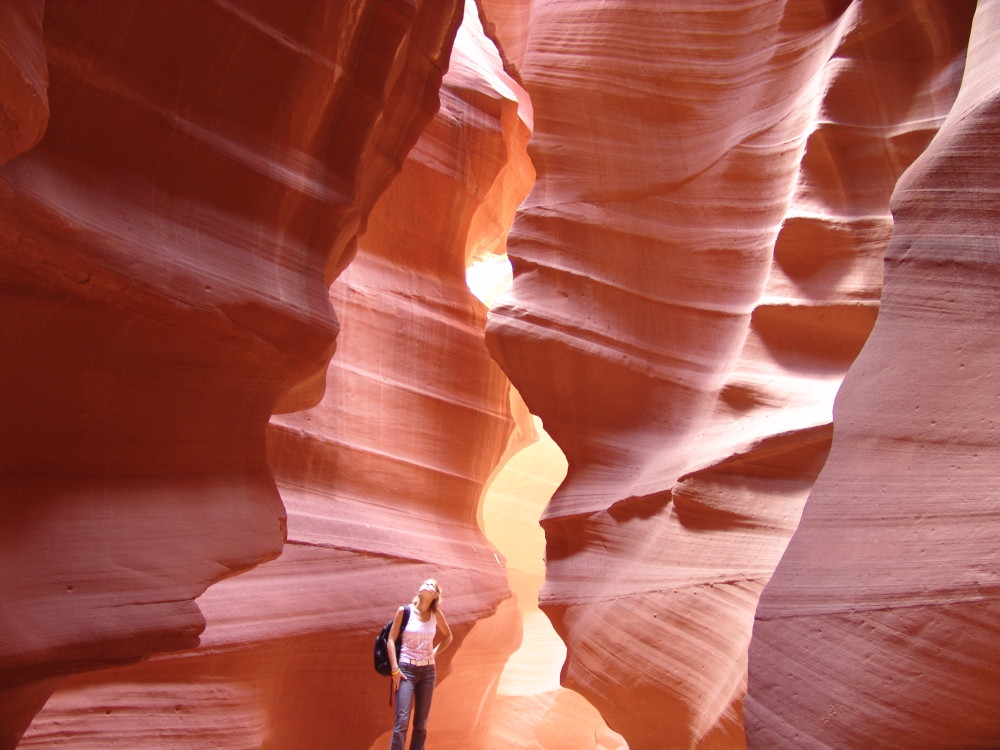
[(436, 604)]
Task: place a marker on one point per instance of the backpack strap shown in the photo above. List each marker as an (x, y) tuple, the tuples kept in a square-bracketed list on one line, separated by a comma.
[(406, 618)]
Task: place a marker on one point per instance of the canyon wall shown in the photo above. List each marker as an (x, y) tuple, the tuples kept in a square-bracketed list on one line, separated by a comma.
[(177, 197), (695, 270), (382, 483), (24, 107), (880, 626), (532, 709)]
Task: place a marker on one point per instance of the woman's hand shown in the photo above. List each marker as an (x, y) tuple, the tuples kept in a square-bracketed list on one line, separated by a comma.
[(390, 644)]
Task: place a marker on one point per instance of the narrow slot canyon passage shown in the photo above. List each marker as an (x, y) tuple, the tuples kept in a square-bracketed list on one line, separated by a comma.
[(531, 709), (305, 302)]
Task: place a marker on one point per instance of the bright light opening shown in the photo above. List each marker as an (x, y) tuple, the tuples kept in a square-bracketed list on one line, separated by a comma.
[(489, 278)]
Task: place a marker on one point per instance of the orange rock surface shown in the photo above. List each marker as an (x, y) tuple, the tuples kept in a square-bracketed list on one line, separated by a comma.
[(382, 483), (531, 709), (709, 193), (166, 249), (694, 272), (880, 627)]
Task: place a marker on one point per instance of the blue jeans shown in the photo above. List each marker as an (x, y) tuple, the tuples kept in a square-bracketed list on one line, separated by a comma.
[(414, 694)]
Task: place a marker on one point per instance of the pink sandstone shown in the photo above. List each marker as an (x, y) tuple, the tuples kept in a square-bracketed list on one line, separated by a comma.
[(166, 250), (879, 628), (381, 481), (694, 272), (696, 269)]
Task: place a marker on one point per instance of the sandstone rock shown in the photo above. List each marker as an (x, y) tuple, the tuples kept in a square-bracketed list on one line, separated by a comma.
[(531, 709), (166, 252), (24, 107), (694, 272), (697, 267), (879, 627), (381, 481)]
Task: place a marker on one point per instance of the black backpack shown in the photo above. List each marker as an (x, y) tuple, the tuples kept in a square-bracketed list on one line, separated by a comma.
[(382, 648)]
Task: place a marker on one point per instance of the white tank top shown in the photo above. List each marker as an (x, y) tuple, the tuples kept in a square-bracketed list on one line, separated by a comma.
[(418, 638)]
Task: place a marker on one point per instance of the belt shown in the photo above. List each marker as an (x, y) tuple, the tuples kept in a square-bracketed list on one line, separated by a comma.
[(418, 662)]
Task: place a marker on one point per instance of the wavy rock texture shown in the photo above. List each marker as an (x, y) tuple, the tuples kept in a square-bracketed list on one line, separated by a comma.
[(382, 483), (695, 270), (24, 110), (531, 709), (880, 627), (166, 252)]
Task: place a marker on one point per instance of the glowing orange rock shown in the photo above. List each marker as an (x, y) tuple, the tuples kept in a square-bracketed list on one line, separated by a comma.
[(381, 481), (694, 272), (166, 250)]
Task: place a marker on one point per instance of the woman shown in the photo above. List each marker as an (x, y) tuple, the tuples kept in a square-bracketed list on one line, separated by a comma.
[(413, 677)]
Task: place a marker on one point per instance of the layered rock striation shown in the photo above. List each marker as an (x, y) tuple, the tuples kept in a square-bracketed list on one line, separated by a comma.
[(695, 270), (531, 708), (166, 248), (381, 481), (879, 627), (24, 110)]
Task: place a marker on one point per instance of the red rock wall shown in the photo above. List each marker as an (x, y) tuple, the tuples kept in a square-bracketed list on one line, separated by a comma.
[(24, 107), (531, 709), (166, 250), (695, 270), (381, 481), (879, 628)]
